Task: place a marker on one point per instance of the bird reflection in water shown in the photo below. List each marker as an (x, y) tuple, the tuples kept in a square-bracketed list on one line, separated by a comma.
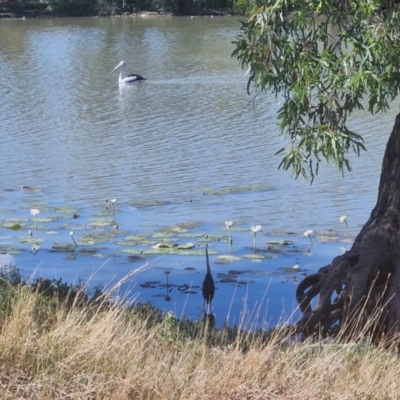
[(167, 296)]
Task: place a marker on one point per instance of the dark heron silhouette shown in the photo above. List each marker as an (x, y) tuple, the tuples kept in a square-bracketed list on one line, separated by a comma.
[(208, 288)]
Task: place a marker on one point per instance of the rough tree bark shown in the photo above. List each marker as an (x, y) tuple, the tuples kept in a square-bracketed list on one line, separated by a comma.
[(367, 277)]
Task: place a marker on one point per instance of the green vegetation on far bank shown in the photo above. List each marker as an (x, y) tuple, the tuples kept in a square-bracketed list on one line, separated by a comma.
[(37, 8)]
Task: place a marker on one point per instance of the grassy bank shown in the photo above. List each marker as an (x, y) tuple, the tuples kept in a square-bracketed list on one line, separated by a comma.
[(66, 345)]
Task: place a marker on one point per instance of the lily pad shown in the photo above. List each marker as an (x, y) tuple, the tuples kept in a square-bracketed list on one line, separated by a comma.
[(67, 210), (135, 238), (326, 232), (17, 219), (162, 235), (89, 239), (13, 225), (228, 258), (6, 249), (228, 280), (101, 222), (62, 248), (10, 225), (185, 246), (222, 262), (147, 286), (236, 272), (189, 224), (178, 229), (30, 189), (211, 238), (255, 272), (327, 239), (134, 258), (90, 252), (134, 243), (174, 246), (32, 240), (47, 219), (191, 235), (281, 233), (279, 242), (167, 250), (255, 256), (239, 229), (74, 227)]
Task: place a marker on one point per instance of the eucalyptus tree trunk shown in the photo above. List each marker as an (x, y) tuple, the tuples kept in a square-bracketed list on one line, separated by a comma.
[(365, 281)]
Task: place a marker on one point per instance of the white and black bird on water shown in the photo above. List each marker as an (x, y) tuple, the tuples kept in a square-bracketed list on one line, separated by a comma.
[(131, 78), (208, 287)]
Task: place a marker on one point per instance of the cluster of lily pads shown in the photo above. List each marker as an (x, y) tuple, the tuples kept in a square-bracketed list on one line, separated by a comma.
[(168, 240), (72, 233)]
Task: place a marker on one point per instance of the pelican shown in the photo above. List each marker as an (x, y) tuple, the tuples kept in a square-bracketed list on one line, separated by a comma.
[(208, 288), (249, 71), (130, 78)]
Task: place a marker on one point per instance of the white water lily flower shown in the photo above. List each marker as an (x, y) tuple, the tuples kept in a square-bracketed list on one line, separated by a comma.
[(308, 234), (255, 229), (35, 212), (72, 237), (229, 224), (342, 219)]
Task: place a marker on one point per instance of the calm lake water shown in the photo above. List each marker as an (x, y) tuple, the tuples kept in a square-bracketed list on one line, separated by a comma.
[(184, 149)]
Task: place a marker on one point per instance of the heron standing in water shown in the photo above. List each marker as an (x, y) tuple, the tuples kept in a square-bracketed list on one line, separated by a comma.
[(128, 79), (208, 288)]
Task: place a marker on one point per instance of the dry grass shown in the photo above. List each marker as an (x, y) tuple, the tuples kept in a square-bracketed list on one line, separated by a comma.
[(49, 351)]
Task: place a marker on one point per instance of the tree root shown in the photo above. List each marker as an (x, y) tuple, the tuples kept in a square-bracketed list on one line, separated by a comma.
[(342, 306), (359, 292)]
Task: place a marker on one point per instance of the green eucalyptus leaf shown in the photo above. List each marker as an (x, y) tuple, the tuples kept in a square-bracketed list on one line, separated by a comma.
[(322, 62)]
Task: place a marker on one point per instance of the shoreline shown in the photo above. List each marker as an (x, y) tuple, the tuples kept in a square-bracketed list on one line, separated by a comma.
[(23, 13)]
